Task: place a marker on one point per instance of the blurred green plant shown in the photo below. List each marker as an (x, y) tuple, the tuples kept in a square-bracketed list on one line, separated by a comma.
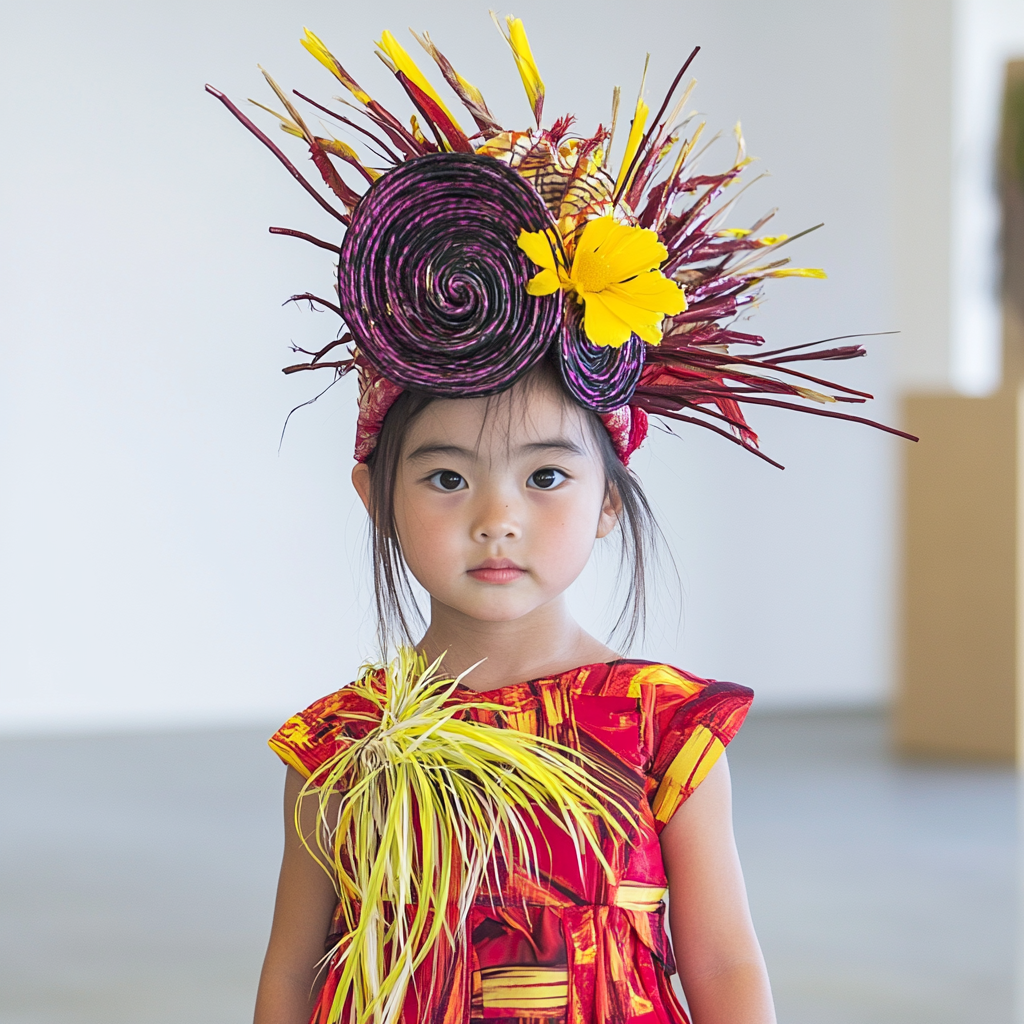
[(1013, 126)]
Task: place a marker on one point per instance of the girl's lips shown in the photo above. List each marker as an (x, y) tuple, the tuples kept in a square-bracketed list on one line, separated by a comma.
[(497, 571)]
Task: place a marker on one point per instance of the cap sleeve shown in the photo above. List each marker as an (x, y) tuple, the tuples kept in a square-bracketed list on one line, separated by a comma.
[(690, 721), (312, 737)]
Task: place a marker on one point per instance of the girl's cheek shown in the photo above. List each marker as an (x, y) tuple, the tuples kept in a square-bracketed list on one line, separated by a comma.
[(431, 531), (567, 532)]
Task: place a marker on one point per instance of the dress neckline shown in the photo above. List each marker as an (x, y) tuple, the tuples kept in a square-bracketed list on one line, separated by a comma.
[(463, 688)]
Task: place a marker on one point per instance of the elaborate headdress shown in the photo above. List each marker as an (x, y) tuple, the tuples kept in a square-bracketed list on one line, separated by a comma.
[(469, 258)]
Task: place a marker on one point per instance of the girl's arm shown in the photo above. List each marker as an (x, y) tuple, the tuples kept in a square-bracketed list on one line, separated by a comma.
[(302, 917), (717, 953)]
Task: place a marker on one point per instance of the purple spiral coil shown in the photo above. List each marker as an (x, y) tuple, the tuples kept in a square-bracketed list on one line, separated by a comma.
[(599, 377), (432, 284)]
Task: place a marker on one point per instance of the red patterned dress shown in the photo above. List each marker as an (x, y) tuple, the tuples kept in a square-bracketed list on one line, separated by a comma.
[(577, 948)]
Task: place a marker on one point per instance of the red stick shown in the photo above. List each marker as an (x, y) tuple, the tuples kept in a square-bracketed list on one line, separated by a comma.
[(306, 238), (292, 170)]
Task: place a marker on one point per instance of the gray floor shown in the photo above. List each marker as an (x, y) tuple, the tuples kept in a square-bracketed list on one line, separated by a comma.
[(137, 873), (883, 893)]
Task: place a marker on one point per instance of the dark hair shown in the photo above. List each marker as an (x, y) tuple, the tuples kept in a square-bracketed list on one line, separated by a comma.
[(397, 610)]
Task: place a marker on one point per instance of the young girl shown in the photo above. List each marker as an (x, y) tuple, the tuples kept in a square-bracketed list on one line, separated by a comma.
[(494, 837)]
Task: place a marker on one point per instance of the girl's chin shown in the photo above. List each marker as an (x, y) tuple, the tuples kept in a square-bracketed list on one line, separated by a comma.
[(496, 607)]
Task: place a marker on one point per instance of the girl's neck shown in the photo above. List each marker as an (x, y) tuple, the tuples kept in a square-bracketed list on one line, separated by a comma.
[(545, 642)]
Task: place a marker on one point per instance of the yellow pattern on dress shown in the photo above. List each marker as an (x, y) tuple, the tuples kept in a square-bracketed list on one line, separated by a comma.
[(701, 750)]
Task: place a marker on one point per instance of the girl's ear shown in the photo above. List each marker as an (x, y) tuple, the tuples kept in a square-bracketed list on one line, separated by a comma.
[(610, 511), (361, 482)]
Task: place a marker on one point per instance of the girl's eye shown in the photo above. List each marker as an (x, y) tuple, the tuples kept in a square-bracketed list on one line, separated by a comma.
[(546, 479), (448, 480)]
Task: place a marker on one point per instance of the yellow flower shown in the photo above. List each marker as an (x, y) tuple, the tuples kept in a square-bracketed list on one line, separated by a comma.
[(614, 273)]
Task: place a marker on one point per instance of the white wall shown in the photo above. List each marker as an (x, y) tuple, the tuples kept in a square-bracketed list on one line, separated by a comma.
[(160, 562), (947, 82)]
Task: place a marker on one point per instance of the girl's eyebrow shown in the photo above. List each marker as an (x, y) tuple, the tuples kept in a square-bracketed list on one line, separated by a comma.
[(426, 451), (558, 444)]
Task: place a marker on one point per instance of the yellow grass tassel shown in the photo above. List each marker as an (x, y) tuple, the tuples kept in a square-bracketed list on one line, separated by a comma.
[(414, 815)]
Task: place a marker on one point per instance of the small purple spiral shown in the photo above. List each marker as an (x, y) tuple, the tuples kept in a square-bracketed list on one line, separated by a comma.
[(599, 377), (432, 284)]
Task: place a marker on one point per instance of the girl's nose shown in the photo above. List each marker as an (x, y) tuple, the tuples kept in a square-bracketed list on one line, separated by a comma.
[(496, 520)]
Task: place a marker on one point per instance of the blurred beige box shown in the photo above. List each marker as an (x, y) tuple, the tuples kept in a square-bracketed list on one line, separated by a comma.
[(962, 598), (962, 629)]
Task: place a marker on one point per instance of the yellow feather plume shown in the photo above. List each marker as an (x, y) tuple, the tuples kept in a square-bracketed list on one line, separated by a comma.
[(636, 134), (397, 58), (315, 46), (515, 36)]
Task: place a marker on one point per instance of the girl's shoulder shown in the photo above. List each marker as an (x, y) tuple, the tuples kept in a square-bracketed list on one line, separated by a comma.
[(313, 736), (687, 723)]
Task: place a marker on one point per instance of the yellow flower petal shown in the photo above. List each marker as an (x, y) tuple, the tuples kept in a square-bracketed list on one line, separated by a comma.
[(652, 291), (625, 239), (634, 253), (632, 314), (595, 233), (615, 274), (601, 326), (651, 333), (544, 283), (540, 246), (632, 249)]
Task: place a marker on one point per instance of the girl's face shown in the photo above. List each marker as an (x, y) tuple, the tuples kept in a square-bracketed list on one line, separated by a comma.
[(498, 514)]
